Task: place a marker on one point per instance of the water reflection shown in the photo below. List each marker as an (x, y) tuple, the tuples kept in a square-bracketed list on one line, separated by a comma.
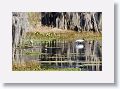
[(86, 55)]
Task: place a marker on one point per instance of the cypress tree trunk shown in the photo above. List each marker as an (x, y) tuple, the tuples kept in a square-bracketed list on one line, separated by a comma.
[(19, 27)]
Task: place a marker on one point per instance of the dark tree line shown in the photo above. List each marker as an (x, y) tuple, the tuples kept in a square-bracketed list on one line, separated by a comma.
[(78, 21)]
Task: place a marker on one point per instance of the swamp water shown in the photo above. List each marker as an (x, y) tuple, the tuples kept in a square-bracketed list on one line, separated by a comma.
[(85, 55)]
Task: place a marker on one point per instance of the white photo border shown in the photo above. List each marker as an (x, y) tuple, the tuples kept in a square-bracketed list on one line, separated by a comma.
[(104, 76)]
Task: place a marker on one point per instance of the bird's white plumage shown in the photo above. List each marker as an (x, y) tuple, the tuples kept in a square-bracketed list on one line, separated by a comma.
[(79, 44), (79, 40)]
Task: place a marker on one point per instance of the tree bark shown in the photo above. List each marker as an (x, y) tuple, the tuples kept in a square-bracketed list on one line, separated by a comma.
[(19, 27)]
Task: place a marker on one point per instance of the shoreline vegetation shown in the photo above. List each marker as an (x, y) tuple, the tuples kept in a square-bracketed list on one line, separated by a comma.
[(68, 35), (47, 33), (35, 66), (37, 37)]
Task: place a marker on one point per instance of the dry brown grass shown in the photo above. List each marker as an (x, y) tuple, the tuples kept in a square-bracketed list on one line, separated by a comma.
[(59, 34), (26, 66), (35, 66)]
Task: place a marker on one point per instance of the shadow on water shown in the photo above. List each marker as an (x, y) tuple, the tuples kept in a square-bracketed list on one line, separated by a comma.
[(85, 55)]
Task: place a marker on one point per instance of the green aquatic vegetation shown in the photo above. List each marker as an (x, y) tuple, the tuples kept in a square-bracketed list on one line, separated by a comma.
[(31, 53)]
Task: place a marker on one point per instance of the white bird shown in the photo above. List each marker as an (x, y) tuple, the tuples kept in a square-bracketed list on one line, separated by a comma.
[(79, 44), (31, 42)]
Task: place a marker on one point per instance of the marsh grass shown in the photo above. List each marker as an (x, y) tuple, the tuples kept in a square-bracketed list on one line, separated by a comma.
[(26, 66), (67, 35), (35, 66)]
